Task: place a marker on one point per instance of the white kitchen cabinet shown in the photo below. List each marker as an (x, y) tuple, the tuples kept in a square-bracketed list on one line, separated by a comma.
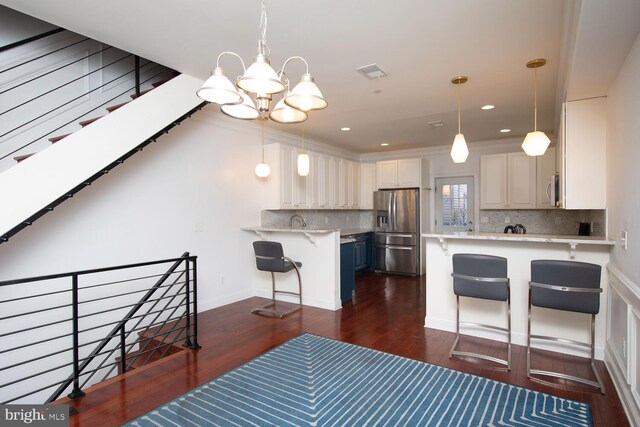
[(315, 178), (285, 188), (545, 170), (343, 184), (507, 181), (404, 173), (326, 179), (285, 169), (353, 185), (582, 155), (367, 185)]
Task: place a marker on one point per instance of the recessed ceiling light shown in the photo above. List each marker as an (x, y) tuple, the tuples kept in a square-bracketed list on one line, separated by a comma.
[(488, 107), (345, 129), (505, 130), (384, 144)]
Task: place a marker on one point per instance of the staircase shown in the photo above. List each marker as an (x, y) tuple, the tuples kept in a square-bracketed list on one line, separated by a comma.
[(41, 181)]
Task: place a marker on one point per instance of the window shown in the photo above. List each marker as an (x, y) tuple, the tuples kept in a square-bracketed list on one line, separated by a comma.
[(454, 204)]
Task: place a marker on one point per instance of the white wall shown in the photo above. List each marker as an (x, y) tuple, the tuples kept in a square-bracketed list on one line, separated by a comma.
[(623, 201), (200, 174), (16, 26)]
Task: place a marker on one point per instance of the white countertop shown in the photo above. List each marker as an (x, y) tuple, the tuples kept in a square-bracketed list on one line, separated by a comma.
[(544, 238), (343, 231)]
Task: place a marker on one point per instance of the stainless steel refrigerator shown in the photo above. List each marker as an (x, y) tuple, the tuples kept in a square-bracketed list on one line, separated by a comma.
[(397, 238)]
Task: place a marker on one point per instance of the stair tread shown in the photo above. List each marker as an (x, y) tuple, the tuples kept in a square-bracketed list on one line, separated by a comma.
[(58, 138), (89, 121), (134, 96), (115, 107), (22, 157)]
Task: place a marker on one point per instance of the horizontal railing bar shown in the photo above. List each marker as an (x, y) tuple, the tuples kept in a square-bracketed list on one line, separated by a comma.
[(59, 87), (65, 104), (53, 71), (24, 362), (117, 347), (31, 39), (43, 55), (33, 392), (36, 311), (37, 374), (36, 342), (85, 287), (126, 293), (93, 271), (34, 327), (123, 306)]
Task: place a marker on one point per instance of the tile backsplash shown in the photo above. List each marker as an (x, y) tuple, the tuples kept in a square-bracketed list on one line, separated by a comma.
[(319, 218), (544, 221)]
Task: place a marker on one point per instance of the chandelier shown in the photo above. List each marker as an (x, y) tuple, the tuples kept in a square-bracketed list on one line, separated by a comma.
[(251, 96)]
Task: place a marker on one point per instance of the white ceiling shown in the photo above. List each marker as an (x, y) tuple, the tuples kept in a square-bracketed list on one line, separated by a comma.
[(420, 44)]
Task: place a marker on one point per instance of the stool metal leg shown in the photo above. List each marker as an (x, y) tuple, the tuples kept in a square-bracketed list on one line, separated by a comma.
[(454, 352), (269, 309)]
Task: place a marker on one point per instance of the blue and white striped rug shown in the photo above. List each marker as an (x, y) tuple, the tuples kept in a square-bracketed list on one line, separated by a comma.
[(316, 381)]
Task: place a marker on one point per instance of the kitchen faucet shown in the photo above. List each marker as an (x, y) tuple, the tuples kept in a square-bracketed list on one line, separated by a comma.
[(299, 218)]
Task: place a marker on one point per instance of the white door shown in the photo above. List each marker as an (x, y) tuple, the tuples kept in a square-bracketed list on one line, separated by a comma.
[(454, 204)]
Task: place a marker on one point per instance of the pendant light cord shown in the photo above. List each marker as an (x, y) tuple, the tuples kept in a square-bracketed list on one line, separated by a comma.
[(262, 128), (535, 99), (302, 125), (459, 106)]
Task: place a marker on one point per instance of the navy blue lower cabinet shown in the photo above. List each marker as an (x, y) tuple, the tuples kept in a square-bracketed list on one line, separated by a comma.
[(364, 251), (347, 271)]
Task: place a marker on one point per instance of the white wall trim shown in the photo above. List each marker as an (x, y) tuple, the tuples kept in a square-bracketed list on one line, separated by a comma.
[(628, 402), (516, 338), (624, 378), (313, 302)]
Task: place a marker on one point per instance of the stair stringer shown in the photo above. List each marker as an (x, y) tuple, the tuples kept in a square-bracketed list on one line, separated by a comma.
[(34, 183)]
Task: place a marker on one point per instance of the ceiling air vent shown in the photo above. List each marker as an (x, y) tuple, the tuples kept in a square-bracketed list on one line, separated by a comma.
[(435, 124), (372, 71)]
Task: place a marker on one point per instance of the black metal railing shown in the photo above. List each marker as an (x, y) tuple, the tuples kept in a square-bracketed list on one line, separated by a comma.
[(62, 333), (37, 116)]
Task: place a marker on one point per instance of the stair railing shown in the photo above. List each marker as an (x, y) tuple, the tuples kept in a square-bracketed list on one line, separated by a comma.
[(52, 328), (132, 73)]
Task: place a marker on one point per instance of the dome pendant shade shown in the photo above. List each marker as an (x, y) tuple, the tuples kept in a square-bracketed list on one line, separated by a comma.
[(282, 113), (262, 170), (219, 89), (459, 150), (303, 164), (535, 143), (246, 111), (261, 78), (306, 96)]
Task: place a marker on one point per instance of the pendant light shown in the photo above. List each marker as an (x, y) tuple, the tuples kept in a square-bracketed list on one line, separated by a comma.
[(262, 169), (303, 159), (536, 142), (459, 150), (261, 82)]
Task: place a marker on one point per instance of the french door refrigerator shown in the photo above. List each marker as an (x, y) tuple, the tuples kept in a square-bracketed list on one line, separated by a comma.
[(396, 232)]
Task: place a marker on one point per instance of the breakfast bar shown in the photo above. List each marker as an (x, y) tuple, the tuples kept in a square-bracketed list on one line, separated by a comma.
[(520, 250)]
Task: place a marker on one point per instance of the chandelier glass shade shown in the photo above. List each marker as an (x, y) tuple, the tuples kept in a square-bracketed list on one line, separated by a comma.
[(260, 81), (459, 149), (536, 142)]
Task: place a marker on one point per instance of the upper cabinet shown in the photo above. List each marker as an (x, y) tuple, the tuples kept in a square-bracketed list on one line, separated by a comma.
[(507, 181), (545, 171), (581, 157), (367, 185), (399, 173), (332, 182)]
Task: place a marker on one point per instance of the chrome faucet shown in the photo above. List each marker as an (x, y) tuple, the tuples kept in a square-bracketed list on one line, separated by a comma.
[(299, 218)]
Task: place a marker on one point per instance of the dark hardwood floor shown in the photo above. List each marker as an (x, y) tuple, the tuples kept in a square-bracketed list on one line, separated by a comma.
[(387, 314)]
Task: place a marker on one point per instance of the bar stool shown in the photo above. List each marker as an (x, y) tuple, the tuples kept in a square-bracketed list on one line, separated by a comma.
[(484, 277), (568, 286), (270, 257)]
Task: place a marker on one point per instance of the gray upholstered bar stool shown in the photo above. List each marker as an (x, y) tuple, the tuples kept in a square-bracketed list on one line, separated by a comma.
[(484, 277), (270, 257), (568, 286)]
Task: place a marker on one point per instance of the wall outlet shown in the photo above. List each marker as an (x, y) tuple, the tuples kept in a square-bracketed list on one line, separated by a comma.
[(484, 219), (326, 220), (507, 220), (198, 227), (222, 280), (624, 240)]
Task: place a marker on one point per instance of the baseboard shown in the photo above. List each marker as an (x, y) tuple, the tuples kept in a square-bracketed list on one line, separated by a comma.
[(313, 302), (212, 303), (516, 338), (628, 402)]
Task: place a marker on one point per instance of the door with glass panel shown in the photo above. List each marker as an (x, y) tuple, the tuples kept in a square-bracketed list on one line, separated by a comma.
[(454, 204)]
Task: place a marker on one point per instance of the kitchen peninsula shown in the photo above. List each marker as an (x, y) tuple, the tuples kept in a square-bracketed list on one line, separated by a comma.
[(520, 250)]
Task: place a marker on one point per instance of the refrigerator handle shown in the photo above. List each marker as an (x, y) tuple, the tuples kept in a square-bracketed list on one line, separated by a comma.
[(395, 211)]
